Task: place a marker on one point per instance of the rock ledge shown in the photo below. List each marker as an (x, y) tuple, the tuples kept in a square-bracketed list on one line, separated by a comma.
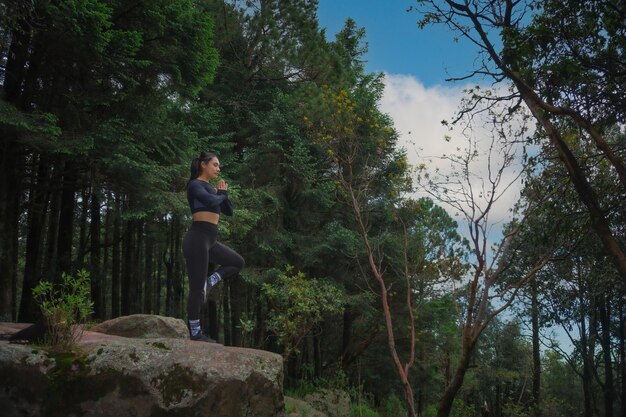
[(117, 376)]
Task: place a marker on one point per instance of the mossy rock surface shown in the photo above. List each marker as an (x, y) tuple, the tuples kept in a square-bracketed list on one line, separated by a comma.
[(117, 376), (144, 326)]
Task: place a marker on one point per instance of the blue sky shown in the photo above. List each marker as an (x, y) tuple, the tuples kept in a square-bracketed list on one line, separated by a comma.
[(396, 44), (416, 63)]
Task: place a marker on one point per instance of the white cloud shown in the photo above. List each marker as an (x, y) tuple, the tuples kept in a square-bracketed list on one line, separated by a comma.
[(417, 112)]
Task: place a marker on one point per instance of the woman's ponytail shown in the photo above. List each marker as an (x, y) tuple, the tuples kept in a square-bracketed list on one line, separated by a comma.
[(196, 168)]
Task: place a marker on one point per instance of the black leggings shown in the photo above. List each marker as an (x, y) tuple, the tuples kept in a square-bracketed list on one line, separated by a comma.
[(199, 246)]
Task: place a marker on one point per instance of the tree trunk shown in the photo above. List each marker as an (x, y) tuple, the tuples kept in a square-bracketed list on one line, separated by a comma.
[(214, 328), (116, 259), (622, 356), (237, 297), (106, 252), (82, 234), (317, 355), (10, 196), (50, 266), (11, 161), (159, 274), (128, 269), (259, 327), (137, 278), (178, 290), (37, 207), (226, 312), (534, 311), (148, 305), (450, 391), (587, 368), (66, 218), (169, 265), (94, 258), (346, 334), (605, 341), (17, 57)]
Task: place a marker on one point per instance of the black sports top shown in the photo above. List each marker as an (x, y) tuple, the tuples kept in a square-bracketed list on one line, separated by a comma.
[(203, 197)]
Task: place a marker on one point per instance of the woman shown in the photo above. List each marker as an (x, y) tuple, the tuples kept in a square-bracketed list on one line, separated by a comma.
[(200, 243)]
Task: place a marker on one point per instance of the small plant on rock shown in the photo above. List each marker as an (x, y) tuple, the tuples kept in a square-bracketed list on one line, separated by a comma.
[(65, 307)]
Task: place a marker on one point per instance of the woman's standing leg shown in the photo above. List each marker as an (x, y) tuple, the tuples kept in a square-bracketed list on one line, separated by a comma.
[(196, 252)]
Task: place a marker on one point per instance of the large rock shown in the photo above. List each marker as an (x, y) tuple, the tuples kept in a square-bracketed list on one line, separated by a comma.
[(115, 376), (144, 326)]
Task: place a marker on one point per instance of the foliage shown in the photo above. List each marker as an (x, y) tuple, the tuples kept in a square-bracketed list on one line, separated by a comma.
[(65, 307), (392, 406), (362, 410), (299, 304)]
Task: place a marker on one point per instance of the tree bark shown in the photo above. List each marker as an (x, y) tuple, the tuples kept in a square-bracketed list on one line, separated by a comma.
[(622, 356), (605, 341), (237, 296), (66, 218), (214, 329), (17, 57), (50, 266), (451, 390), (136, 284), (94, 255), (534, 311), (169, 265), (116, 259), (587, 365), (106, 254), (128, 269), (159, 274), (178, 288), (82, 233), (37, 207), (11, 161), (148, 305), (317, 356), (227, 315), (10, 197)]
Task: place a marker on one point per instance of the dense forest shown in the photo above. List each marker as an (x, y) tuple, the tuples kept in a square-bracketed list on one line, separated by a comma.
[(357, 282)]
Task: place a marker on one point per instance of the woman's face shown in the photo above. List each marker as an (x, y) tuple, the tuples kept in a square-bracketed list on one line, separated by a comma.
[(211, 169)]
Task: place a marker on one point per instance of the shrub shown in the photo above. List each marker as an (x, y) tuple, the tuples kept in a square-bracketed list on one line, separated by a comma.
[(393, 407), (65, 306), (362, 410), (297, 305)]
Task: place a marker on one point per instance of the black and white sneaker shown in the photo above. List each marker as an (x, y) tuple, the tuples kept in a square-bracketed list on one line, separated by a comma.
[(201, 337)]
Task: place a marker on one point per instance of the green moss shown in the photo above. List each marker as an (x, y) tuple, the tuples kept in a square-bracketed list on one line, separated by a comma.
[(160, 345), (133, 356), (69, 369), (175, 383)]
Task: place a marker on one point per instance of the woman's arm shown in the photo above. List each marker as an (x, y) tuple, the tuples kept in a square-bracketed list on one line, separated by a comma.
[(226, 206), (197, 191)]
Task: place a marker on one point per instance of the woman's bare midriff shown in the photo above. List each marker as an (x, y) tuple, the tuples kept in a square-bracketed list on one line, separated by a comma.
[(206, 216)]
